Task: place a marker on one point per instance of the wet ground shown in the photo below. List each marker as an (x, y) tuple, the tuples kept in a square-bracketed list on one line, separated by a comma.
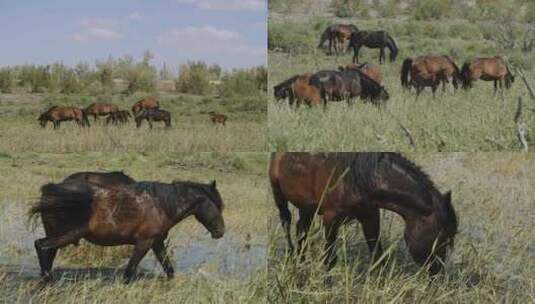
[(229, 256)]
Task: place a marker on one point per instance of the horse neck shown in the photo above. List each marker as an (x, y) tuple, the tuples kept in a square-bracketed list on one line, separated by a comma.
[(404, 203)]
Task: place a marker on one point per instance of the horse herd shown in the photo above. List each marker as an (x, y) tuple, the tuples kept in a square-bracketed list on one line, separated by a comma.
[(366, 80), (111, 208), (145, 109)]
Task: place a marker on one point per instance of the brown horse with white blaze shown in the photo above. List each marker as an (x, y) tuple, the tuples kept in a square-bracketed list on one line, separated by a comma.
[(139, 214), (340, 187), (488, 69)]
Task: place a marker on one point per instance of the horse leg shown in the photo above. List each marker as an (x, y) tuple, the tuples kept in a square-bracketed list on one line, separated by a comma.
[(161, 254), (382, 56), (495, 86), (284, 214), (371, 229), (140, 250), (303, 226), (331, 231), (46, 260), (150, 123), (434, 90), (356, 54)]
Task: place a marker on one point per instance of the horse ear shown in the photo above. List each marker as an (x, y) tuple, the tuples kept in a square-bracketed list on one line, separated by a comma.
[(447, 197), (213, 184)]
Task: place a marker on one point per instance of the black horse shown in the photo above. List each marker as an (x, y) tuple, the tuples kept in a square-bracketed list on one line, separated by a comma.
[(375, 40), (284, 89), (154, 115), (348, 84), (105, 179), (139, 214)]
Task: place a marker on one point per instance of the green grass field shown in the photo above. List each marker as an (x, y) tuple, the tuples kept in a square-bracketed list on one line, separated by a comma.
[(475, 120), (228, 270), (191, 130), (493, 258)]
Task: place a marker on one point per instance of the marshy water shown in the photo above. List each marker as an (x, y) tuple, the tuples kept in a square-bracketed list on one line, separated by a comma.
[(230, 256)]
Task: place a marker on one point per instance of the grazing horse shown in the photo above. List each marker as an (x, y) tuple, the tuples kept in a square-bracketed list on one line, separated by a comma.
[(336, 86), (57, 114), (303, 92), (375, 40), (118, 117), (146, 103), (369, 69), (370, 82), (337, 34), (154, 115), (139, 214), (341, 187), (488, 69), (217, 117), (100, 109), (103, 179), (429, 71)]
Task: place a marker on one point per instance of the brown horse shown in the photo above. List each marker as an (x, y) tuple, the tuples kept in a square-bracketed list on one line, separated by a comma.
[(429, 71), (100, 109), (345, 186), (121, 116), (57, 114), (303, 92), (369, 69), (337, 34), (217, 117), (146, 103), (139, 214), (104, 179), (488, 69)]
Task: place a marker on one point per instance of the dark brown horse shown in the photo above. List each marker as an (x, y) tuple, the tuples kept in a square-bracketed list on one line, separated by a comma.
[(146, 103), (151, 115), (139, 214), (337, 34), (369, 69), (57, 115), (374, 40), (340, 187), (488, 69), (429, 71), (217, 118), (100, 109), (104, 179), (303, 92), (118, 117)]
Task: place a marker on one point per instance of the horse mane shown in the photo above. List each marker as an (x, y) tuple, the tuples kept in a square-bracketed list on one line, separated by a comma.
[(206, 188), (362, 170)]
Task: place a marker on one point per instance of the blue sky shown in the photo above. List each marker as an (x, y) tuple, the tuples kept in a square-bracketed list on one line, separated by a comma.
[(231, 33)]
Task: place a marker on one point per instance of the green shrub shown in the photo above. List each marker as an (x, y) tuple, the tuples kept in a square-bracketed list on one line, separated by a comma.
[(431, 9), (288, 37), (194, 78), (6, 80)]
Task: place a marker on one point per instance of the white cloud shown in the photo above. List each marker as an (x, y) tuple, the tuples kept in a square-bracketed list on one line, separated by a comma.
[(228, 5), (208, 40), (136, 16), (95, 29)]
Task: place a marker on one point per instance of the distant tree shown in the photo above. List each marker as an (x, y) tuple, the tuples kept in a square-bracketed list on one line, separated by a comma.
[(194, 78)]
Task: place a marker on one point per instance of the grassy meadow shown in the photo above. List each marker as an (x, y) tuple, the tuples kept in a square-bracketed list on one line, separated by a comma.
[(474, 120), (192, 129), (228, 270), (493, 258)]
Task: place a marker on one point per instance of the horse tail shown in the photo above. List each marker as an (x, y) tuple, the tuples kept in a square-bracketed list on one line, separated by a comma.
[(509, 78), (391, 44), (405, 68), (456, 74), (64, 207), (324, 37), (465, 75)]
